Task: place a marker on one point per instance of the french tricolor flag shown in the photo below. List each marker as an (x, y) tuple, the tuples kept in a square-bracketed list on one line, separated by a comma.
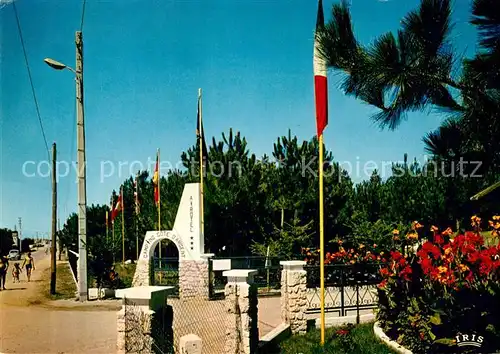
[(320, 84)]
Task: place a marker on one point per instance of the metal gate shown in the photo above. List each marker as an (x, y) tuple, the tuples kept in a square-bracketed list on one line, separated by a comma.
[(165, 272)]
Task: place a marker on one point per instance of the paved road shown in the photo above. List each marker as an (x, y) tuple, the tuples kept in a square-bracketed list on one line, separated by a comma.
[(28, 328)]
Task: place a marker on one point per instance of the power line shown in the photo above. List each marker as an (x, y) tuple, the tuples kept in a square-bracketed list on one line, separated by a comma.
[(83, 15), (31, 79)]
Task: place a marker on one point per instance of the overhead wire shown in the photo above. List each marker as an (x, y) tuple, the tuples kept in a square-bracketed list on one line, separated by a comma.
[(31, 80), (83, 15)]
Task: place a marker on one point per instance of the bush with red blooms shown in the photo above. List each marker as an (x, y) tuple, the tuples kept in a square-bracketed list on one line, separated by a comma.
[(360, 254), (450, 286)]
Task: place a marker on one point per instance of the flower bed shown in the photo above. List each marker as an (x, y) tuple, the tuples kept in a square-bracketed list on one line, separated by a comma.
[(449, 287)]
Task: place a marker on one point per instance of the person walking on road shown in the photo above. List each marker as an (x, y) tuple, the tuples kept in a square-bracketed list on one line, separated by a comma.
[(29, 262), (16, 270), (4, 266)]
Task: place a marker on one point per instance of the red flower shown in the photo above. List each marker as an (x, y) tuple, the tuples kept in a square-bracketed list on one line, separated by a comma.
[(406, 273), (382, 284), (438, 239), (396, 255), (385, 272), (486, 266), (342, 332), (426, 264)]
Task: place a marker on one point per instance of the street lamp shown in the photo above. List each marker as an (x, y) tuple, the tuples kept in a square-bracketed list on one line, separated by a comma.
[(82, 180), (54, 64)]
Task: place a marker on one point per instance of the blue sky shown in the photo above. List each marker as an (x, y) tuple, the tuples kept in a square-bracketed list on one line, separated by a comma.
[(144, 62)]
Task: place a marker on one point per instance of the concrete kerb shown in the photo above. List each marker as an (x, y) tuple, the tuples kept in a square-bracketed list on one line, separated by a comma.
[(379, 333)]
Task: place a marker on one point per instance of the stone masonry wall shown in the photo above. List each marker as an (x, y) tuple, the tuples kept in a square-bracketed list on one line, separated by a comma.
[(294, 297), (142, 273), (242, 334), (134, 330), (193, 279)]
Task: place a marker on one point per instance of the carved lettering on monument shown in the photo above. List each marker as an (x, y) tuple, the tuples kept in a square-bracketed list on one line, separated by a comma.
[(156, 237), (191, 214)]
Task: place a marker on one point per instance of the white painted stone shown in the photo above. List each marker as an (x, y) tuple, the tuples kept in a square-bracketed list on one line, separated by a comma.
[(221, 264), (240, 275), (149, 297), (379, 333), (93, 293), (293, 265), (187, 237), (186, 234), (190, 344)]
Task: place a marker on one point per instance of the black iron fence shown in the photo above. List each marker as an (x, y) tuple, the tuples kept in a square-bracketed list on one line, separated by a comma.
[(348, 288), (165, 272), (267, 279)]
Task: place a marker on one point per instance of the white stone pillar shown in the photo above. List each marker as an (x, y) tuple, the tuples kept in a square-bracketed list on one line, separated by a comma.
[(242, 332), (294, 295)]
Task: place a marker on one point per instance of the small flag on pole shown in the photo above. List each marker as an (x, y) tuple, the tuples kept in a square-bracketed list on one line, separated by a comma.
[(111, 210), (200, 133), (320, 82), (156, 181), (136, 195), (117, 208), (268, 261)]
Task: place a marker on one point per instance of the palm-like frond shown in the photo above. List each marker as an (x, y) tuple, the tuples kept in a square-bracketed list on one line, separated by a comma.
[(445, 142), (429, 26), (486, 16), (397, 74)]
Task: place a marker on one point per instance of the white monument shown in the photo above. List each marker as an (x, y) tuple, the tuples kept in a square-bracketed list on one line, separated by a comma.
[(186, 235)]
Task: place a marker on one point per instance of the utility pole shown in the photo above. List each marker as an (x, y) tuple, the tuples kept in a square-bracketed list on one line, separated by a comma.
[(20, 234), (58, 242), (82, 179), (54, 223)]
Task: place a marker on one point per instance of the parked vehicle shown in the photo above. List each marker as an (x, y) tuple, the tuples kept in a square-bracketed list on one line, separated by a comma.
[(14, 255)]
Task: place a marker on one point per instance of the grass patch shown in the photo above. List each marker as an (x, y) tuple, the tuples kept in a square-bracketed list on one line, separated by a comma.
[(125, 273), (358, 339), (65, 284)]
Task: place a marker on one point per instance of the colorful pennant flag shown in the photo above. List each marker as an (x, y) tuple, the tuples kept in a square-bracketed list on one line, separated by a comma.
[(156, 181), (117, 208), (136, 194), (200, 133)]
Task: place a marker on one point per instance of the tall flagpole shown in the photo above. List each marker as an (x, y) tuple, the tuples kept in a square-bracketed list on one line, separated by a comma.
[(113, 229), (107, 226), (123, 226), (202, 136), (159, 208), (137, 212), (159, 196), (113, 237), (321, 241), (321, 100)]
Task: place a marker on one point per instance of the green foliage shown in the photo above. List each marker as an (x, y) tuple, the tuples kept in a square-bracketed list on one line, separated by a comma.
[(5, 241), (285, 243)]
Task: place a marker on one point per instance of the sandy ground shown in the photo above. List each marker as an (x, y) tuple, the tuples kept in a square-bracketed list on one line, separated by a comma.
[(28, 325)]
